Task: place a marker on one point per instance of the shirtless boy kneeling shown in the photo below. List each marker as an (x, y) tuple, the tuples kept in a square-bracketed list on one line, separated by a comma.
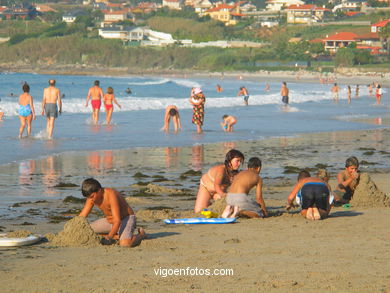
[(238, 201), (120, 218)]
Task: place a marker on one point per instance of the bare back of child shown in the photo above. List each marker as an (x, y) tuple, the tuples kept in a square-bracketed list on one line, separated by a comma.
[(237, 199)]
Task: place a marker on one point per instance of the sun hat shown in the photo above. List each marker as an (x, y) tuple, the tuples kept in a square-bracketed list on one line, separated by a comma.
[(197, 90)]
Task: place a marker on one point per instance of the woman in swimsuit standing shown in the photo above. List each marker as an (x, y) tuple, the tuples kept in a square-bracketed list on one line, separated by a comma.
[(109, 98), (214, 184), (26, 110)]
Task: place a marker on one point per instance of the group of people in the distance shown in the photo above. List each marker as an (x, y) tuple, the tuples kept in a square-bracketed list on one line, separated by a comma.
[(378, 92), (197, 100), (312, 193), (52, 105)]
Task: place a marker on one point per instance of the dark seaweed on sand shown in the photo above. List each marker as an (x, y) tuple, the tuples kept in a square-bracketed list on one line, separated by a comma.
[(140, 175), (322, 166), (65, 185), (190, 173), (159, 208), (366, 149), (72, 199), (363, 162), (291, 170), (369, 153)]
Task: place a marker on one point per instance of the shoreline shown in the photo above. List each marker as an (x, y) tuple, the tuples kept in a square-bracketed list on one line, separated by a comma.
[(283, 253), (351, 76)]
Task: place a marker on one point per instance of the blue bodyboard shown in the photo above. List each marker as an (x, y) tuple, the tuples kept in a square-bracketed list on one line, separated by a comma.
[(200, 221)]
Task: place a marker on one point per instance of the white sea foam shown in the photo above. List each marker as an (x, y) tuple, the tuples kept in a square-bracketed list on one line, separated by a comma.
[(77, 105), (182, 82)]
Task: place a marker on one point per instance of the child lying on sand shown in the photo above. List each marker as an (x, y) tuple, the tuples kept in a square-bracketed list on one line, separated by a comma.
[(238, 202), (120, 218)]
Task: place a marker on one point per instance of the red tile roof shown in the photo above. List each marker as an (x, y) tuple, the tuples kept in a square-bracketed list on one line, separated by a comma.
[(382, 23), (318, 40), (218, 8), (352, 13), (343, 36), (369, 36), (306, 7)]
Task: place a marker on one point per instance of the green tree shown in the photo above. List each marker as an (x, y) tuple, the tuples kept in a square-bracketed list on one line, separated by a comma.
[(384, 34), (344, 57)]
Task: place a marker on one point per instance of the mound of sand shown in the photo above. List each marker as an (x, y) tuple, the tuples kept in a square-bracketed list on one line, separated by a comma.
[(157, 189), (77, 232), (367, 194), (218, 206), (159, 215), (19, 234)]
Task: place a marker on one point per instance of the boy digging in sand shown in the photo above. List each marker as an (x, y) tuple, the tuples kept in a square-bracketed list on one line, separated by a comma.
[(238, 202), (120, 219), (313, 194)]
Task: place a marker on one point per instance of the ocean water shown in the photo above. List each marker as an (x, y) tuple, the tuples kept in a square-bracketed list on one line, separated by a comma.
[(139, 122)]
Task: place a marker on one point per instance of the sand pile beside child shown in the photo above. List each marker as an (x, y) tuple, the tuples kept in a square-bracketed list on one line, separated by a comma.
[(367, 194), (77, 232), (218, 206), (159, 215), (18, 234)]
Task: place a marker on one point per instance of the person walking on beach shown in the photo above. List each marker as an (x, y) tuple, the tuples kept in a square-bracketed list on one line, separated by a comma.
[(26, 110), (172, 111), (219, 88), (51, 97), (244, 92), (357, 91), (378, 94), (119, 221), (109, 100), (237, 199), (267, 87), (335, 93), (313, 195), (197, 100), (95, 93), (214, 184), (284, 92)]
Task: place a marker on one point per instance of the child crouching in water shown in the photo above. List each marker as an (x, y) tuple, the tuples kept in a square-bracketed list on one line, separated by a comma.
[(120, 218), (238, 201)]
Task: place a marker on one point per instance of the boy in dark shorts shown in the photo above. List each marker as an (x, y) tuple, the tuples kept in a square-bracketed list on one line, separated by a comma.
[(120, 218), (313, 195)]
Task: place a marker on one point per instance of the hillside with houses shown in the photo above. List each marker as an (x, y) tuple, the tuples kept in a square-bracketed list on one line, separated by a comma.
[(251, 33)]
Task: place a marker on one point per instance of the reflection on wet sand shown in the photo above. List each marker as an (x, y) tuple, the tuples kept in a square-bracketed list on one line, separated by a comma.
[(99, 161), (50, 175), (171, 157), (197, 157)]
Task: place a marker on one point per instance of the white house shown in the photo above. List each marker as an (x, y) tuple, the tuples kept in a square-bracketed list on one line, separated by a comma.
[(277, 5), (172, 4)]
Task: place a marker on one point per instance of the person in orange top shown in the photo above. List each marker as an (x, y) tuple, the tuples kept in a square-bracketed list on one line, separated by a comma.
[(109, 99)]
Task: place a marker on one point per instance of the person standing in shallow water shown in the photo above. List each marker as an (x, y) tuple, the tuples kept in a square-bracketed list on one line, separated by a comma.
[(26, 110), (198, 100), (51, 96), (95, 93), (109, 100)]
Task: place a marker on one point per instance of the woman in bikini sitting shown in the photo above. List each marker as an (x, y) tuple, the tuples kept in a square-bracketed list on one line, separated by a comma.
[(214, 184), (109, 99)]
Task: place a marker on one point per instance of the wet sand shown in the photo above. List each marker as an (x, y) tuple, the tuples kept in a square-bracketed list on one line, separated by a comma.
[(284, 253)]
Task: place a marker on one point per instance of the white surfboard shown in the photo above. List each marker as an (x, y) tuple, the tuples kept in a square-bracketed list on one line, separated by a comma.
[(8, 242)]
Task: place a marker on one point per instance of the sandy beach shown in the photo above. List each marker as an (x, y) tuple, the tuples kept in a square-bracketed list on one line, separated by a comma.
[(283, 253), (343, 75)]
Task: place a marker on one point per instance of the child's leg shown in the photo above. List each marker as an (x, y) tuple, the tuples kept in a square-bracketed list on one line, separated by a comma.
[(309, 214), (235, 212), (249, 214), (227, 211), (101, 226), (127, 238), (316, 214)]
